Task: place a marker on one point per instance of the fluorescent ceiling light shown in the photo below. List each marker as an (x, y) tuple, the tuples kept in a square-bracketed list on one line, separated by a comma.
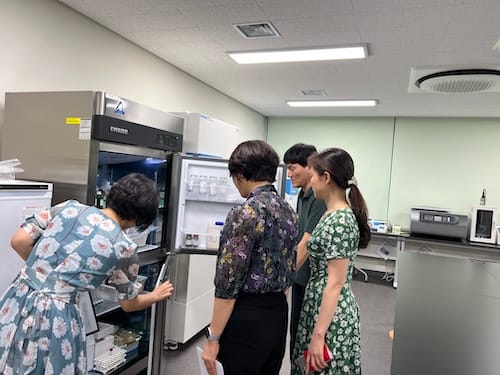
[(291, 55), (332, 103)]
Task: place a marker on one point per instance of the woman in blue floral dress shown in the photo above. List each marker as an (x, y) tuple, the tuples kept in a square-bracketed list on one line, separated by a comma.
[(68, 249), (330, 313)]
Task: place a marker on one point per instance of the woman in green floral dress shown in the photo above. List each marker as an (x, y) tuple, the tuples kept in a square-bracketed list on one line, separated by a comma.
[(330, 313)]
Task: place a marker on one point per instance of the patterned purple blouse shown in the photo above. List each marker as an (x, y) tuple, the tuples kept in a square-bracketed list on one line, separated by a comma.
[(258, 246)]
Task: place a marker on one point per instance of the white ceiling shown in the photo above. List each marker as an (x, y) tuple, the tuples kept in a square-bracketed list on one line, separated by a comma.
[(195, 34)]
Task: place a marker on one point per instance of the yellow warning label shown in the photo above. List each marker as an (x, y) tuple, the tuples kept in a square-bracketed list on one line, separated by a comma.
[(72, 120)]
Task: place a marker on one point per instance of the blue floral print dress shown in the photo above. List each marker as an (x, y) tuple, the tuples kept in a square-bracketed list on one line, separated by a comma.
[(77, 248), (335, 237)]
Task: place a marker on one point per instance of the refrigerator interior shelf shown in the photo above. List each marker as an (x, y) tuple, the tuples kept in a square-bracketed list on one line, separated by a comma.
[(208, 200), (189, 231), (103, 307), (197, 250), (142, 249)]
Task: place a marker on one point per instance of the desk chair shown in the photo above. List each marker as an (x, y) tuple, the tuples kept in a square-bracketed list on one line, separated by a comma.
[(357, 270)]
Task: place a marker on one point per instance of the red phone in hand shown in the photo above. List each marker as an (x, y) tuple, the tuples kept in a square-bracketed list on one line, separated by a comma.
[(302, 360), (327, 356)]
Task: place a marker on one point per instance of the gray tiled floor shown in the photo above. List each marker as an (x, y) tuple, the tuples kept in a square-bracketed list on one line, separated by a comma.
[(376, 301)]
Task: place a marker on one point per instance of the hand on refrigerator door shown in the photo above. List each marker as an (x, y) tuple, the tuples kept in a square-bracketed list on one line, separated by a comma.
[(142, 301), (163, 291)]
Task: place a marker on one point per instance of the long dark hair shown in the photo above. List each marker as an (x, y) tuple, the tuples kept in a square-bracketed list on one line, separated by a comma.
[(338, 163)]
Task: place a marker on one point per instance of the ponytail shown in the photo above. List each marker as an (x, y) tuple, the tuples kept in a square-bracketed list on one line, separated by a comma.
[(360, 210), (338, 163)]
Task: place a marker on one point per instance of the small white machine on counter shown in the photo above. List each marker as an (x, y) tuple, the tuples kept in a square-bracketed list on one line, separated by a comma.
[(438, 222), (483, 225)]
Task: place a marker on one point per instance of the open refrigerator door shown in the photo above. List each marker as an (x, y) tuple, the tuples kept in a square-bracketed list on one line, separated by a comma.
[(201, 195)]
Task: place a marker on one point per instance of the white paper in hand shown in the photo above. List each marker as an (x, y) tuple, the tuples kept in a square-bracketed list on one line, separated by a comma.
[(203, 369)]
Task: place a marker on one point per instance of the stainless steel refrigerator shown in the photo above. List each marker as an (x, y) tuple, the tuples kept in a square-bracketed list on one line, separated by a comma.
[(201, 195), (83, 142)]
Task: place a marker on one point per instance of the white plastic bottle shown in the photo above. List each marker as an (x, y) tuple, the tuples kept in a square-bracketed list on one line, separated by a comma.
[(213, 235), (482, 200)]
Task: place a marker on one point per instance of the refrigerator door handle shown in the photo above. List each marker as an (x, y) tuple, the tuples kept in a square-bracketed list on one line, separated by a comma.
[(161, 277), (168, 262), (151, 339)]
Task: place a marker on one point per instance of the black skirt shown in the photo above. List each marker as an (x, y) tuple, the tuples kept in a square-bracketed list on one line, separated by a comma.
[(254, 339)]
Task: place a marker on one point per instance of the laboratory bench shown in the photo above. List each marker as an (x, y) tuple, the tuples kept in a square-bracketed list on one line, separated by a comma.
[(384, 249)]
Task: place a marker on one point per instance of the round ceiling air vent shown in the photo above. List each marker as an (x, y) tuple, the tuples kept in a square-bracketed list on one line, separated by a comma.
[(461, 81)]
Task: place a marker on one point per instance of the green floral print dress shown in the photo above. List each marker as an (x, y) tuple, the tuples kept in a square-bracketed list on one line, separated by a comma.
[(335, 237)]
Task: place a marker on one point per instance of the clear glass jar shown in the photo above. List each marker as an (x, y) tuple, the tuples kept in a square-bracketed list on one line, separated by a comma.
[(193, 184), (222, 188), (203, 185), (212, 186), (188, 240), (196, 239)]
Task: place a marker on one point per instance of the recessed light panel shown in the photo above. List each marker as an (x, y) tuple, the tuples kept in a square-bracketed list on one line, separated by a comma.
[(293, 55), (332, 103)]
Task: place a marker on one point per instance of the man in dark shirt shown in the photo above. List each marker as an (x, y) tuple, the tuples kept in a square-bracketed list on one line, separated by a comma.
[(310, 211)]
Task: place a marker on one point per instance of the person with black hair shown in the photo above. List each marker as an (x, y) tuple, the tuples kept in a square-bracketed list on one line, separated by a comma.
[(255, 267), (330, 313), (68, 249), (310, 211)]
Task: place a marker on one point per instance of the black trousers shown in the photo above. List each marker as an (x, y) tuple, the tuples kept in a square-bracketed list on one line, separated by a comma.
[(298, 292), (253, 342)]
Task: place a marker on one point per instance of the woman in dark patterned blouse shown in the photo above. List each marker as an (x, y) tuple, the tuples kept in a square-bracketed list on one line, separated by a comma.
[(255, 267)]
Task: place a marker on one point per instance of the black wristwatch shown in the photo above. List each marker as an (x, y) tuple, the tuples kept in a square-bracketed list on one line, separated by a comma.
[(211, 336)]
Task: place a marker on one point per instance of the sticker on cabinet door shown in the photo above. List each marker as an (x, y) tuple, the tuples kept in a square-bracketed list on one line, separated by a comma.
[(72, 120), (85, 125)]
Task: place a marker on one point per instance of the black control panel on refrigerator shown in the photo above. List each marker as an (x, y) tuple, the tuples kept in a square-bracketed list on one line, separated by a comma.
[(110, 129)]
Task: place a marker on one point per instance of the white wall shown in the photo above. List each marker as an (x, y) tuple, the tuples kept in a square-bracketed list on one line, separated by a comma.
[(46, 46)]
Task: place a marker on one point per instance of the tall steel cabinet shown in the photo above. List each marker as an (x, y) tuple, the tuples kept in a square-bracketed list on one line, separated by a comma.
[(83, 142)]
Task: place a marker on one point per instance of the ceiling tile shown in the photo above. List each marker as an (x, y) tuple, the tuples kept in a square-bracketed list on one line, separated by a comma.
[(194, 35)]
